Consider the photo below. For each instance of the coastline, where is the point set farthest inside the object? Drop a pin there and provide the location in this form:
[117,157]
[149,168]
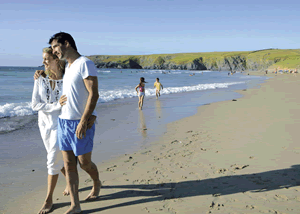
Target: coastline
[212,161]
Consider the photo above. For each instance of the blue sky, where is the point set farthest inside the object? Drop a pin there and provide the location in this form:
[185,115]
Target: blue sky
[117,27]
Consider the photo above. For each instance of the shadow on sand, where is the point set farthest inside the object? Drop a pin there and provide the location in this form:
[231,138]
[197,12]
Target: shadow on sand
[225,185]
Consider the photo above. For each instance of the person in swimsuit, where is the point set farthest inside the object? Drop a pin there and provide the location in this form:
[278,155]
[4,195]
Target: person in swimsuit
[141,92]
[158,86]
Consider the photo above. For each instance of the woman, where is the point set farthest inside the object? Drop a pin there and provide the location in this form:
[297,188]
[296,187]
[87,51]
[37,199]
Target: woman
[46,100]
[141,92]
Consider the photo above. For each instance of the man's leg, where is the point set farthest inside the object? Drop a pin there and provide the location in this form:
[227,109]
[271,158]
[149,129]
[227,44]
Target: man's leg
[87,165]
[72,181]
[52,180]
[66,191]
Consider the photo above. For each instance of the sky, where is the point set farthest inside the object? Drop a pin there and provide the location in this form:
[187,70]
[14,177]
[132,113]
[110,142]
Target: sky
[141,27]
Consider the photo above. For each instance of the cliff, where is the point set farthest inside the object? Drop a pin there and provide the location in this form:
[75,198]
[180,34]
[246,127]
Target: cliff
[229,61]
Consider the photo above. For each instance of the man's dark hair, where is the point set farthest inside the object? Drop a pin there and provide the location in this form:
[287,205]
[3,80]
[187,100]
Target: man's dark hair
[61,37]
[157,78]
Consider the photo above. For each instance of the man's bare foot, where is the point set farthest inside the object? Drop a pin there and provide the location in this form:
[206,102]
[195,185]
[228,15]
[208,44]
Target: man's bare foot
[66,191]
[46,208]
[95,191]
[73,210]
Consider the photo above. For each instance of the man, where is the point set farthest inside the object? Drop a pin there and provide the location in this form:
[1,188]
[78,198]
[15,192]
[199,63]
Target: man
[75,138]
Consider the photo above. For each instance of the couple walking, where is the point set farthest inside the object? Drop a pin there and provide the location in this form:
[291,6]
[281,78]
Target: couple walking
[65,101]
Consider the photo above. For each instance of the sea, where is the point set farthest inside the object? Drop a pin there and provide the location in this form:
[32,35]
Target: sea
[121,127]
[16,84]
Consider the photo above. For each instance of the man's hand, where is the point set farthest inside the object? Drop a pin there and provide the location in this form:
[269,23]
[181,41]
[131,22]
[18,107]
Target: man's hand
[62,100]
[82,127]
[38,73]
[91,121]
[81,130]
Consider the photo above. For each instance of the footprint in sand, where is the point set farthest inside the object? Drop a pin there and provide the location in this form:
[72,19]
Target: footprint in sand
[251,207]
[297,198]
[146,153]
[110,169]
[238,167]
[88,180]
[174,141]
[281,197]
[222,170]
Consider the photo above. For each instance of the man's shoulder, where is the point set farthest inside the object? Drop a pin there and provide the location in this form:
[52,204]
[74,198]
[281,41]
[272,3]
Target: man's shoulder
[84,59]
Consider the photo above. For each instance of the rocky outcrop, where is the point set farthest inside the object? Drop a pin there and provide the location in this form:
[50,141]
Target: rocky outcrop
[120,65]
[160,64]
[168,62]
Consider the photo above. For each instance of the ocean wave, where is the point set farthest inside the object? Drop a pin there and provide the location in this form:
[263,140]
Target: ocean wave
[23,109]
[100,71]
[106,96]
[16,109]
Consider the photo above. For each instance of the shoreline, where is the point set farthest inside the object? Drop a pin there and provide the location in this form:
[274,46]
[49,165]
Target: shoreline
[160,177]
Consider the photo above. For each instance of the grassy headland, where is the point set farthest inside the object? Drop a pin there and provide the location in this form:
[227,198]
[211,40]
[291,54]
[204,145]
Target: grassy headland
[236,61]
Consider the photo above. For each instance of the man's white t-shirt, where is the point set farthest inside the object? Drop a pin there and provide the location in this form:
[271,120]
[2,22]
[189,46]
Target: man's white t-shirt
[74,88]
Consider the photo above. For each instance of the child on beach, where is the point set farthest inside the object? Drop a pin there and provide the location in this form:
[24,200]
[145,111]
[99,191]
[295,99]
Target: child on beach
[141,92]
[158,86]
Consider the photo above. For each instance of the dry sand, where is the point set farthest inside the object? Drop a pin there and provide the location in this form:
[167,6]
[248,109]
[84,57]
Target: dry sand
[231,157]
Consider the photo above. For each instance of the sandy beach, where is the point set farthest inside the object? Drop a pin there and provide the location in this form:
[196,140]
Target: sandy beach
[237,156]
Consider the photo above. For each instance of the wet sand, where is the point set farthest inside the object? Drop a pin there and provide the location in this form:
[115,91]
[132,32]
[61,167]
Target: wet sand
[230,157]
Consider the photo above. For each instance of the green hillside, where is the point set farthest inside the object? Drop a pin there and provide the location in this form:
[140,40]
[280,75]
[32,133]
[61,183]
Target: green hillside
[240,60]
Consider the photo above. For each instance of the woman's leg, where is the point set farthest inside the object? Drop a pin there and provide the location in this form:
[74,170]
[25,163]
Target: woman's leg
[47,206]
[142,101]
[53,164]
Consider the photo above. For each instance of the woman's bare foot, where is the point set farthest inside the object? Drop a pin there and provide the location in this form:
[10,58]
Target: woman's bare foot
[66,191]
[73,210]
[95,191]
[46,208]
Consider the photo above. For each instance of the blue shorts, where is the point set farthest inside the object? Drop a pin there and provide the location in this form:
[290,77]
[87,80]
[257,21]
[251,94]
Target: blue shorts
[68,141]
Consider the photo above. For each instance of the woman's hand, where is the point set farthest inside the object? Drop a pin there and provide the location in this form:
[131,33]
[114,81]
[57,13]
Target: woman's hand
[62,101]
[38,73]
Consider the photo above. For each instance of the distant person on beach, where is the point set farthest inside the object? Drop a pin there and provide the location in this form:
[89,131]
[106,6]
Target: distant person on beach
[141,92]
[75,136]
[159,87]
[45,99]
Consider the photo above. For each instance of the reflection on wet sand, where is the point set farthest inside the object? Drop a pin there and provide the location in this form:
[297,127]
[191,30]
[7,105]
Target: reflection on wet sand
[158,109]
[142,124]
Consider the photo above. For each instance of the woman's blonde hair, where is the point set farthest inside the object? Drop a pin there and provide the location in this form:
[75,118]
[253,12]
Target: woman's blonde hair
[61,63]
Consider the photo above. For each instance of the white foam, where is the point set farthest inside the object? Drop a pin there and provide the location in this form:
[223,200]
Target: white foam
[23,109]
[106,96]
[100,71]
[16,109]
